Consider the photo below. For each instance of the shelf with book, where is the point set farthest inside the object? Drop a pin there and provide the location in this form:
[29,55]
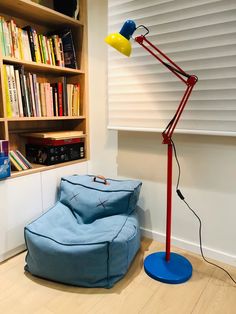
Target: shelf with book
[16,119]
[47,94]
[40,14]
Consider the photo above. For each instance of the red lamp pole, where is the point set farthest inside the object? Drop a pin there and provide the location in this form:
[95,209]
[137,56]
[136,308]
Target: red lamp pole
[189,81]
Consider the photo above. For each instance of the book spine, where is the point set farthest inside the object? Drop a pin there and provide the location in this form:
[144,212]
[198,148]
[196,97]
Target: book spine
[14,92]
[7,91]
[24,160]
[43,99]
[14,164]
[23,88]
[27,94]
[65,104]
[2,41]
[10,39]
[34,82]
[18,162]
[31,93]
[52,52]
[6,37]
[36,46]
[17,76]
[48,99]
[39,100]
[20,40]
[10,88]
[60,98]
[31,41]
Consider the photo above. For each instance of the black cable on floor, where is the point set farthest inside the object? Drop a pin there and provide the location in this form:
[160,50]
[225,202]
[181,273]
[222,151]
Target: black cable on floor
[179,193]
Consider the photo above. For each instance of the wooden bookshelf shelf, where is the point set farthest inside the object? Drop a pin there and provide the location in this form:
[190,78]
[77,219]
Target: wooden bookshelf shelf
[41,67]
[46,89]
[44,118]
[39,168]
[37,13]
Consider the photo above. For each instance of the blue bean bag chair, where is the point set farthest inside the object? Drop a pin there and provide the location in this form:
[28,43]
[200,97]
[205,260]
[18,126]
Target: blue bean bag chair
[90,237]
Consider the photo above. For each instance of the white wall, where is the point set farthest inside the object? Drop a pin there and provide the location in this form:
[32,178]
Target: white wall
[208,165]
[103,143]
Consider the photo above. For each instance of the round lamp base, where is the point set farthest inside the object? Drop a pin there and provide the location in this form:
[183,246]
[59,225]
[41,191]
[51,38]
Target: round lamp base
[177,270]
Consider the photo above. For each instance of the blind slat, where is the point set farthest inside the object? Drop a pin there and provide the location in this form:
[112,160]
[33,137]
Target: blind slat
[200,36]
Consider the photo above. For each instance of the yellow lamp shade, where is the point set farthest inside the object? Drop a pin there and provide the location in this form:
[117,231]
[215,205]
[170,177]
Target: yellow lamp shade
[120,43]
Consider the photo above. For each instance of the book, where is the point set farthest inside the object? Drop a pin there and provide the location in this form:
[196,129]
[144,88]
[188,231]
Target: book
[7,92]
[54,142]
[14,162]
[42,99]
[18,160]
[55,135]
[29,31]
[4,147]
[60,98]
[68,48]
[26,91]
[64,95]
[18,86]
[23,159]
[2,41]
[15,106]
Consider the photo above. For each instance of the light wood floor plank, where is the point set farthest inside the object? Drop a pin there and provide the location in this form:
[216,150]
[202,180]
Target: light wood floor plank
[208,291]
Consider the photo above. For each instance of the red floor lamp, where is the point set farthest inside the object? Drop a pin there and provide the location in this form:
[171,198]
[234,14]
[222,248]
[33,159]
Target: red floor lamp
[165,266]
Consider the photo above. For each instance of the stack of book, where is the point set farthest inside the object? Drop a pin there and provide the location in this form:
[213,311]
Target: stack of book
[26,97]
[18,161]
[50,148]
[26,44]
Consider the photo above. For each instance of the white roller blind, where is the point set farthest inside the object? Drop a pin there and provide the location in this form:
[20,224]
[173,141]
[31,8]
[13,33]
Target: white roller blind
[200,36]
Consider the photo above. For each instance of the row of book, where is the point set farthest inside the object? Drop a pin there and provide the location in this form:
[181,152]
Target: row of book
[25,96]
[18,161]
[26,44]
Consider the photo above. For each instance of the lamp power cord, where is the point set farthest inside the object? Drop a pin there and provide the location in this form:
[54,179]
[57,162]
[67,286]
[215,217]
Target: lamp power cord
[180,195]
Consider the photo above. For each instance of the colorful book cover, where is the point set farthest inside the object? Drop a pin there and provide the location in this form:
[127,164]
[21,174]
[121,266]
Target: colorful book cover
[29,30]
[60,98]
[68,48]
[14,163]
[18,87]
[23,159]
[18,160]
[15,107]
[43,99]
[7,92]
[2,41]
[4,147]
[6,38]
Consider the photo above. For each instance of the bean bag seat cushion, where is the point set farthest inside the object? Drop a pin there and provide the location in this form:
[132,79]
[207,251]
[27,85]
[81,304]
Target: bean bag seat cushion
[91,235]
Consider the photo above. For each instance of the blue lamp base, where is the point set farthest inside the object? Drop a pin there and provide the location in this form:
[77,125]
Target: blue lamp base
[177,270]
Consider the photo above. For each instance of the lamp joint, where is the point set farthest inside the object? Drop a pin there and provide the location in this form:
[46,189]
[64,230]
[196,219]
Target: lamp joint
[192,80]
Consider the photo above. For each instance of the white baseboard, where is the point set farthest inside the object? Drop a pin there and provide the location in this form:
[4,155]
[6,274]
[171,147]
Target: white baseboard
[13,252]
[191,246]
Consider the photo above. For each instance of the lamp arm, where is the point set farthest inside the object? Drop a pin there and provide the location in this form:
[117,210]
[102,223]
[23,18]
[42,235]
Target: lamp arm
[187,79]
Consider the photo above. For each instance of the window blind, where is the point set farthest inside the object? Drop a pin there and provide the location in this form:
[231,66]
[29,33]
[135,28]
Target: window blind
[198,35]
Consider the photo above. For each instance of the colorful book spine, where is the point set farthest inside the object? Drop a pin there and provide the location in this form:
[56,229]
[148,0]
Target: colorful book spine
[7,92]
[16,162]
[23,159]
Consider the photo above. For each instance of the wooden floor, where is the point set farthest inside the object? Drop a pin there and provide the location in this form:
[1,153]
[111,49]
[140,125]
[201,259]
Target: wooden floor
[208,291]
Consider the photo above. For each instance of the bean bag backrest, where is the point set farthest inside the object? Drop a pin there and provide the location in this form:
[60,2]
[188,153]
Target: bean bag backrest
[91,198]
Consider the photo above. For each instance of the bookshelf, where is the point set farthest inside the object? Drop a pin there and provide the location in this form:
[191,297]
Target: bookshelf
[45,21]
